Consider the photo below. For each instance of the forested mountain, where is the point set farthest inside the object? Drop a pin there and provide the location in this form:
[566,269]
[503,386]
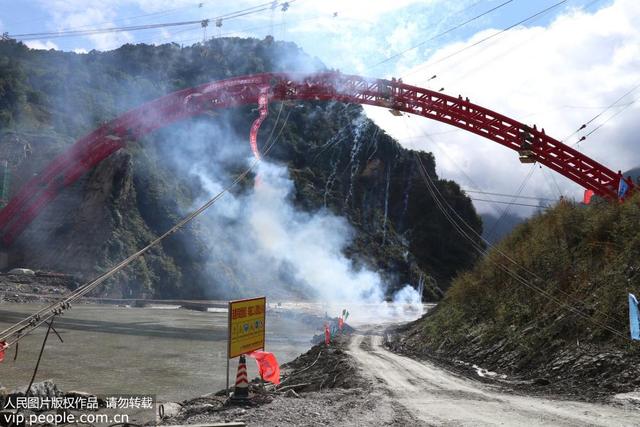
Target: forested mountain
[337,162]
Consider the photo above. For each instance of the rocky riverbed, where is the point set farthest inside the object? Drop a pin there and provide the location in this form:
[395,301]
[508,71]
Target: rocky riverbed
[28,286]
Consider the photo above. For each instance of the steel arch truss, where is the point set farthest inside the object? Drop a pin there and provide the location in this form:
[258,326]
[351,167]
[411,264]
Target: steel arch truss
[531,143]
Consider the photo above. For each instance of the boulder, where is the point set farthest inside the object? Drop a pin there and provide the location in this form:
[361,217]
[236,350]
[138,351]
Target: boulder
[46,388]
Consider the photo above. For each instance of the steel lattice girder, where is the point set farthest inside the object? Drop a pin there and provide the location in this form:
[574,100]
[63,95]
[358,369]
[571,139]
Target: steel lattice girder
[91,149]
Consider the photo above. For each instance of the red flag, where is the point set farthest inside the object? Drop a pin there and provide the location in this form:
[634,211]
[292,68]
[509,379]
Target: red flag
[267,365]
[588,194]
[327,334]
[3,346]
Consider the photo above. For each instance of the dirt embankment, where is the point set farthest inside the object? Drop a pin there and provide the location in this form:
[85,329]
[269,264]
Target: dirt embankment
[38,286]
[321,387]
[581,371]
[547,306]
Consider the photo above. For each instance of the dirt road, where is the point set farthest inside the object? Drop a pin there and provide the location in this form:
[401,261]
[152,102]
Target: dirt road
[438,397]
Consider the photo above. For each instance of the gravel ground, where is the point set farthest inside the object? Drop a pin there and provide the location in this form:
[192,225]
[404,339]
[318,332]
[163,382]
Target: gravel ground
[39,287]
[357,382]
[440,396]
[583,372]
[330,391]
[358,406]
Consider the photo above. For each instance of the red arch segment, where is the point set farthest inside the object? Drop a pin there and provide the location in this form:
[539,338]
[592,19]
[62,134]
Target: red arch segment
[90,150]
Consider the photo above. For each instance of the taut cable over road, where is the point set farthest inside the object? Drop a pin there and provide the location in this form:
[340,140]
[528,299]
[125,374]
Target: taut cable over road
[532,144]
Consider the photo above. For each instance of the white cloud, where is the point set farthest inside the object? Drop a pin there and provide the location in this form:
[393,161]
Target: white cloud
[557,77]
[359,29]
[41,45]
[88,14]
[363,34]
[400,39]
[173,5]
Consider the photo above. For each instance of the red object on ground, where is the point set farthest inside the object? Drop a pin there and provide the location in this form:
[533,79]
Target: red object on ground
[588,194]
[263,99]
[267,365]
[241,390]
[3,346]
[327,334]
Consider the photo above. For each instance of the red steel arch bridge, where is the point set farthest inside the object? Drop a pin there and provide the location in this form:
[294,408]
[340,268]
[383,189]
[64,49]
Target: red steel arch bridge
[532,144]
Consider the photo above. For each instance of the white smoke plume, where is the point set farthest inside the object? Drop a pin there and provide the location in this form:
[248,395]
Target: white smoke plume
[261,243]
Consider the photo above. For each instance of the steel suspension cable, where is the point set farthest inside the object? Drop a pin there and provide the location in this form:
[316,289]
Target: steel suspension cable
[605,122]
[508,203]
[523,21]
[75,33]
[604,110]
[462,24]
[509,195]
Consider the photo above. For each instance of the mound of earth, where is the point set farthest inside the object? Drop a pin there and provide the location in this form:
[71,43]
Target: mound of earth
[322,367]
[320,387]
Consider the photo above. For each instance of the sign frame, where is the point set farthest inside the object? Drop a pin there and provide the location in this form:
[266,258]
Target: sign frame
[263,299]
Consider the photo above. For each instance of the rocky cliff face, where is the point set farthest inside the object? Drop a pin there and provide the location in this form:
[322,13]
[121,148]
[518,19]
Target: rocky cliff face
[339,162]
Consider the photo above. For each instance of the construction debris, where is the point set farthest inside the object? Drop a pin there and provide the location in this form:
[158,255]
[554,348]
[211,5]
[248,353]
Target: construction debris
[321,387]
[333,325]
[320,368]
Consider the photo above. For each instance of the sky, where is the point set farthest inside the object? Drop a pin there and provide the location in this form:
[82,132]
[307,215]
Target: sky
[558,70]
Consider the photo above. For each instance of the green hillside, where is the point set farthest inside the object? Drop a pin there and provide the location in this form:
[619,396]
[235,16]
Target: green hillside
[548,303]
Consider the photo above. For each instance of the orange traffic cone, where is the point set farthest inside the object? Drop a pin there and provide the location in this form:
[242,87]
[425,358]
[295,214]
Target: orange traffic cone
[241,391]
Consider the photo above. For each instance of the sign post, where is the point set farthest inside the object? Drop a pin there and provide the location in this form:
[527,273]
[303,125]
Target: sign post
[246,328]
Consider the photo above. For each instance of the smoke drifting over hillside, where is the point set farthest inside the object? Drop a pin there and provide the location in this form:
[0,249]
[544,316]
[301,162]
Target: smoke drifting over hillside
[337,213]
[257,239]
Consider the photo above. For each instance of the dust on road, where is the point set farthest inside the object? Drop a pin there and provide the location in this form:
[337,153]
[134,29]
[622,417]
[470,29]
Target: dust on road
[438,397]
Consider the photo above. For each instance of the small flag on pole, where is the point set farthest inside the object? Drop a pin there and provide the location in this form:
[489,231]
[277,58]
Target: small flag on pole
[3,346]
[327,334]
[588,194]
[622,188]
[634,317]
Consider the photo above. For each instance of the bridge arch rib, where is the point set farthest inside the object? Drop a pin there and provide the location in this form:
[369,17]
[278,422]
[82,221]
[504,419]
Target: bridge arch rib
[532,143]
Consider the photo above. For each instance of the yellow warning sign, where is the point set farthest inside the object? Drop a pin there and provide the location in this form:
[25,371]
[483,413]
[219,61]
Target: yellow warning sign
[246,326]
